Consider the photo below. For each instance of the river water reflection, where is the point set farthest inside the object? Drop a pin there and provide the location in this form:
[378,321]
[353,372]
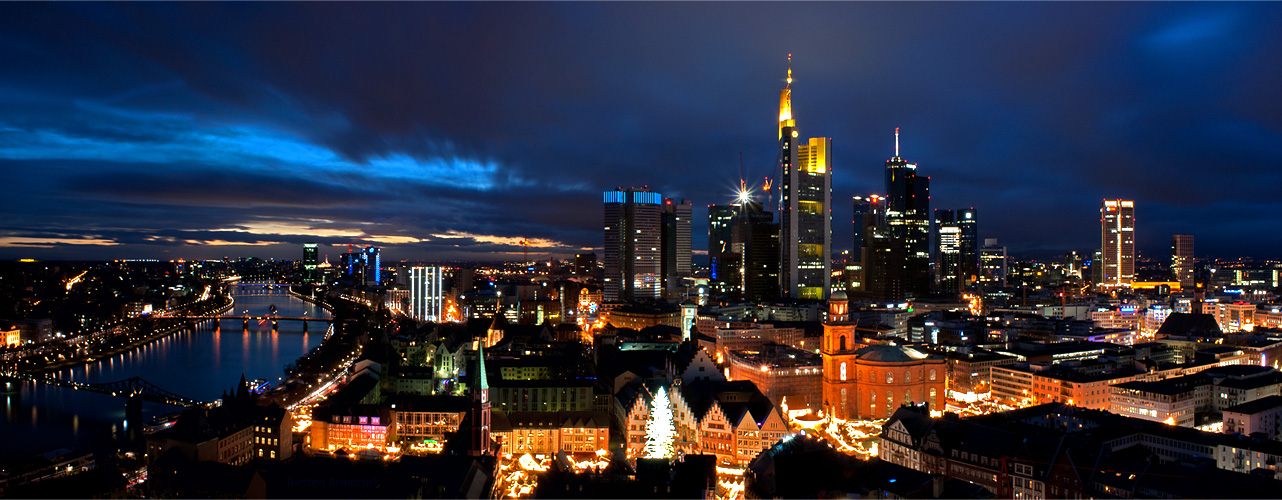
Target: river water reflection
[199,364]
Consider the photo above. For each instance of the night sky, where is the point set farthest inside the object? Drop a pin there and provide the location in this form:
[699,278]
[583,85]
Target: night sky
[451,131]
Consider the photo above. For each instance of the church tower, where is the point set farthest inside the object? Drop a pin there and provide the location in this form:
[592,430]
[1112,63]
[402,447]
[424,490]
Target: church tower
[480,409]
[838,353]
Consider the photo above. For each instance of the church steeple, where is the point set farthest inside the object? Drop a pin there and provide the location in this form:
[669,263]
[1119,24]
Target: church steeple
[479,380]
[480,412]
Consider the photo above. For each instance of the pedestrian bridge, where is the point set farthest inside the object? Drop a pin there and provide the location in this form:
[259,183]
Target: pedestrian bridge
[131,388]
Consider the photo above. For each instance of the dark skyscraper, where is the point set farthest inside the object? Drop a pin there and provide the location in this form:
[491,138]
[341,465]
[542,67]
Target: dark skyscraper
[968,221]
[373,265]
[675,258]
[632,241]
[353,267]
[585,264]
[882,256]
[754,242]
[855,261]
[862,206]
[722,273]
[1182,260]
[908,217]
[805,216]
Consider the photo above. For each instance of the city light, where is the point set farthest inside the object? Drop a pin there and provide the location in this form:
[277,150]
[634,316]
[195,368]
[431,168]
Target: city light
[172,266]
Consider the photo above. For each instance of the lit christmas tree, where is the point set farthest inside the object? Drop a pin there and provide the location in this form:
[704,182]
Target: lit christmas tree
[660,430]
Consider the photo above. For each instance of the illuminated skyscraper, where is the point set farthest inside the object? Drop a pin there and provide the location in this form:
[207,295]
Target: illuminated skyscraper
[310,260]
[675,258]
[1117,243]
[958,250]
[373,266]
[632,240]
[908,216]
[1182,259]
[949,252]
[425,293]
[1073,264]
[992,264]
[805,216]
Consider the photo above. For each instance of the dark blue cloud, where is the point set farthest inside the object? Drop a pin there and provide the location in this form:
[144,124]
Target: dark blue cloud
[445,130]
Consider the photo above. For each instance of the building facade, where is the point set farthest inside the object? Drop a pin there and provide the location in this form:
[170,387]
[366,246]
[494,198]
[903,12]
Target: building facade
[806,216]
[310,261]
[949,253]
[581,432]
[754,243]
[1182,260]
[908,218]
[1117,243]
[425,294]
[866,381]
[992,264]
[723,274]
[633,261]
[675,237]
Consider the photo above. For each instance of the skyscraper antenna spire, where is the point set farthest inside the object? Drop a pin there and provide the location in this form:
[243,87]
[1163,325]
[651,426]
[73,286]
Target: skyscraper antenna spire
[789,70]
[896,142]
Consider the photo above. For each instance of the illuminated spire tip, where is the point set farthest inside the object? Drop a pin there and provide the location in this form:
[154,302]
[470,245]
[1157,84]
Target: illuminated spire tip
[896,142]
[790,70]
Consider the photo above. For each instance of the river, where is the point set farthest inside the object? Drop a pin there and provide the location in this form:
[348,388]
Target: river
[199,364]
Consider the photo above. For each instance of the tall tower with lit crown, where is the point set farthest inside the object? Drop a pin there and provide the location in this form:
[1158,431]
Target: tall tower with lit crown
[805,268]
[908,219]
[1117,243]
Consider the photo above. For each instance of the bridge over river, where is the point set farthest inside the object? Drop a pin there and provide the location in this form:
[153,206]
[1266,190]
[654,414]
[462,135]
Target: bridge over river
[132,388]
[75,406]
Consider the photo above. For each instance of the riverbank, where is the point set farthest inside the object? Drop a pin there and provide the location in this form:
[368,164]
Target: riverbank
[157,333]
[324,363]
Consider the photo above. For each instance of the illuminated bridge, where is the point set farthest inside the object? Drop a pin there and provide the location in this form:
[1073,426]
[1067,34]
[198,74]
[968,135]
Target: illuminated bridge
[260,289]
[134,388]
[245,319]
[262,317]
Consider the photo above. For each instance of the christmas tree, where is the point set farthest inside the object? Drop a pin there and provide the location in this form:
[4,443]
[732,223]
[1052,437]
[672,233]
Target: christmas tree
[660,429]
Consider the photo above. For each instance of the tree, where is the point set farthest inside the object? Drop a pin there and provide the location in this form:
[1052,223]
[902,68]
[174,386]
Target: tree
[660,429]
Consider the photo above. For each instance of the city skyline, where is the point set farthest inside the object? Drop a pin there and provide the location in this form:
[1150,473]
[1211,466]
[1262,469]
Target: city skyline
[457,131]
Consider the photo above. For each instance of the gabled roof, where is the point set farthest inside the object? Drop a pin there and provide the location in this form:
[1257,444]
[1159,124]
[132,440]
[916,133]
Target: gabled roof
[915,422]
[627,396]
[736,398]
